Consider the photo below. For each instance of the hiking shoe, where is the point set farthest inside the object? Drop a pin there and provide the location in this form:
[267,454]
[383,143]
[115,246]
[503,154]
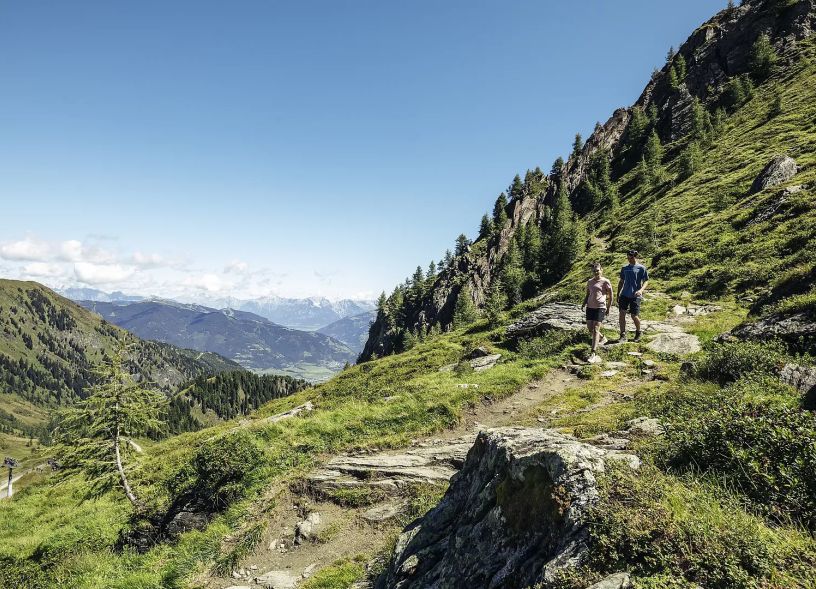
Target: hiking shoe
[622,338]
[603,341]
[637,337]
[594,359]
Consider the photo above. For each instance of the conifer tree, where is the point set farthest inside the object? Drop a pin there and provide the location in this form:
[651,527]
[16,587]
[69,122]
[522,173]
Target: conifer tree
[776,106]
[690,160]
[577,146]
[499,212]
[431,274]
[636,131]
[730,8]
[485,227]
[763,58]
[462,245]
[701,127]
[563,243]
[680,65]
[516,188]
[512,273]
[495,303]
[673,80]
[653,156]
[670,55]
[448,259]
[464,312]
[557,167]
[93,434]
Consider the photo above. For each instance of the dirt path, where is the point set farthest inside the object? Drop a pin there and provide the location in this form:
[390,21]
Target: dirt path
[380,481]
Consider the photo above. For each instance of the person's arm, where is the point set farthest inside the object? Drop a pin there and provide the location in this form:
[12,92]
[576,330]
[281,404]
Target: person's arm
[610,298]
[586,298]
[620,283]
[643,286]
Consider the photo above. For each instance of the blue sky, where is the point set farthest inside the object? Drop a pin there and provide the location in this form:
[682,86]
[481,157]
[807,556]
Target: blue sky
[201,148]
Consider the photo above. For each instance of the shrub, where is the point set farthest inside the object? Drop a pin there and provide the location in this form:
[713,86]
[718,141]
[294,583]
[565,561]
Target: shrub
[660,529]
[216,475]
[764,449]
[731,361]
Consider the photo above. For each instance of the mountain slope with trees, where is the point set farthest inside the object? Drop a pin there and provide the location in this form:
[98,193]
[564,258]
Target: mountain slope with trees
[249,340]
[732,97]
[724,496]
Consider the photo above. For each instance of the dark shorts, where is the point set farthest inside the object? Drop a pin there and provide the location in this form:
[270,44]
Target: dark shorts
[595,314]
[632,305]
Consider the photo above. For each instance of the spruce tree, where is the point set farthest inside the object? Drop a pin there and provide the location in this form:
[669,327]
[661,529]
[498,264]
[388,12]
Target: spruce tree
[512,273]
[701,127]
[495,303]
[499,212]
[690,160]
[561,248]
[516,188]
[448,259]
[464,312]
[653,155]
[673,79]
[462,245]
[557,167]
[577,146]
[431,274]
[763,58]
[680,65]
[92,435]
[485,227]
[636,131]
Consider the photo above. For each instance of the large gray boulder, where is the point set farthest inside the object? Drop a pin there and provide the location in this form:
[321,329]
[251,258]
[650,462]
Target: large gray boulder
[778,171]
[512,517]
[803,379]
[798,330]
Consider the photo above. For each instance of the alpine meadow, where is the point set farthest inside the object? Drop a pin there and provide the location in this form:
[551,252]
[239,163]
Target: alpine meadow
[469,429]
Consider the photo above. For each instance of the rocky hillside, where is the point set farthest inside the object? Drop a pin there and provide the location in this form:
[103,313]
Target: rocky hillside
[672,175]
[49,346]
[249,340]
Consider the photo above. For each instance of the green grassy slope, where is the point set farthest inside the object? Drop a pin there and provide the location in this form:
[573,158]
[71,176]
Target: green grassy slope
[705,234]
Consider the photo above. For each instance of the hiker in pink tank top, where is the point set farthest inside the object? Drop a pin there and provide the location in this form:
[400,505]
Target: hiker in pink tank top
[597,302]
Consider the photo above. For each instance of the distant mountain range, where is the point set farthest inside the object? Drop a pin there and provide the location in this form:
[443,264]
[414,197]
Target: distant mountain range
[352,331]
[308,314]
[49,347]
[252,341]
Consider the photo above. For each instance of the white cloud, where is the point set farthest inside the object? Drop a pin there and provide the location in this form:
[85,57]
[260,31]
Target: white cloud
[101,273]
[149,260]
[71,250]
[28,249]
[236,267]
[209,282]
[43,270]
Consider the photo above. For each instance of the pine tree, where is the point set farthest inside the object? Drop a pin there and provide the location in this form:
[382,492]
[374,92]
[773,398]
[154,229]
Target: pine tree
[636,131]
[563,241]
[485,227]
[462,245]
[653,156]
[499,210]
[516,188]
[670,55]
[448,259]
[763,58]
[673,80]
[495,303]
[680,65]
[730,8]
[577,146]
[690,160]
[464,312]
[431,274]
[557,167]
[701,127]
[512,273]
[92,433]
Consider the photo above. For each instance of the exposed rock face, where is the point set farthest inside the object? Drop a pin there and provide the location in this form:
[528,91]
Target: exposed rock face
[567,316]
[395,471]
[718,50]
[512,517]
[277,580]
[803,379]
[679,344]
[798,329]
[616,581]
[778,171]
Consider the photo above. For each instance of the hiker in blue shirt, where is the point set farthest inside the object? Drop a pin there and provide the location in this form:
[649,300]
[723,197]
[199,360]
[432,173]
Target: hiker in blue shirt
[633,280]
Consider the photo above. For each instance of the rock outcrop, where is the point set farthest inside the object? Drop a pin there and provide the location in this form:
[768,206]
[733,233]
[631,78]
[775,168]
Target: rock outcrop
[803,379]
[778,171]
[392,472]
[512,517]
[798,330]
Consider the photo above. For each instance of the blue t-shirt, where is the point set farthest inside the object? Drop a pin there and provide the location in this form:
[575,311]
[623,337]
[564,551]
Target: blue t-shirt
[633,277]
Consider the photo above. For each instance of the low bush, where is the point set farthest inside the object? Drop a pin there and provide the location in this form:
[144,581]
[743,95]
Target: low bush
[734,360]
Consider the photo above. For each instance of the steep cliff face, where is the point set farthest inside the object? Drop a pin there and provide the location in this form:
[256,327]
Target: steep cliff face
[718,51]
